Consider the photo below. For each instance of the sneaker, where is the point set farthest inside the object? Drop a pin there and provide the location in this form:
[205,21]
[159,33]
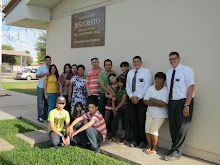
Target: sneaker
[97,150]
[40,119]
[62,145]
[134,144]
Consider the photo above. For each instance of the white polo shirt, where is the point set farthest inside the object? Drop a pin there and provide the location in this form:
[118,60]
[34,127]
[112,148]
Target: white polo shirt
[184,78]
[143,82]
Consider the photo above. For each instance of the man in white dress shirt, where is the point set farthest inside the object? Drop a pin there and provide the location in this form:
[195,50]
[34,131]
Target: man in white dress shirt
[139,80]
[180,83]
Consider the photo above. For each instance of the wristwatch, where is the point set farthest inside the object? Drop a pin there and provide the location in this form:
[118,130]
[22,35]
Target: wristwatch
[186,105]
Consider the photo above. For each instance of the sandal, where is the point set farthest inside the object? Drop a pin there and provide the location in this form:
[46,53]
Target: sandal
[147,151]
[152,153]
[112,139]
[123,142]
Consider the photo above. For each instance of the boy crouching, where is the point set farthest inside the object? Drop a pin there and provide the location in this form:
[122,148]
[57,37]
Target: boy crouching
[94,130]
[56,120]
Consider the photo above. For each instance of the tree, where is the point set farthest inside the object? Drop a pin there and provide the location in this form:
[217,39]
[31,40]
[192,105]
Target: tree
[41,47]
[7,47]
[29,59]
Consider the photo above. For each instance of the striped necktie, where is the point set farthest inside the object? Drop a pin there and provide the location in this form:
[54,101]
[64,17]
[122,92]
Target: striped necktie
[134,82]
[171,85]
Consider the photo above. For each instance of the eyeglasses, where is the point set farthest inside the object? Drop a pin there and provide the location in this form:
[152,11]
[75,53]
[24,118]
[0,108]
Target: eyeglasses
[61,103]
[172,59]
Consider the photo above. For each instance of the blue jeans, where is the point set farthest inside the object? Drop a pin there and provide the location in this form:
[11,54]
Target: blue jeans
[93,135]
[102,103]
[52,98]
[122,112]
[42,105]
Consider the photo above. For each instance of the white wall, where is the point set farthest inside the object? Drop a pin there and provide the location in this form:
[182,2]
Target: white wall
[152,29]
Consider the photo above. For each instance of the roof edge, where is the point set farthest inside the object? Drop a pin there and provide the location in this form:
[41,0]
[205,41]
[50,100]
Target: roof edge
[10,6]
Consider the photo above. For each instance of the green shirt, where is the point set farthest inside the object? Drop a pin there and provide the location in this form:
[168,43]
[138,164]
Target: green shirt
[119,94]
[103,77]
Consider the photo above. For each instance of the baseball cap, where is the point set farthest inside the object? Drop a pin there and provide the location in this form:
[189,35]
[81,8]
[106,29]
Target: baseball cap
[61,99]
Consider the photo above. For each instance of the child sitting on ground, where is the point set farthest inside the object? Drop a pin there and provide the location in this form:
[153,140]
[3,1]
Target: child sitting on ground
[56,120]
[94,130]
[79,111]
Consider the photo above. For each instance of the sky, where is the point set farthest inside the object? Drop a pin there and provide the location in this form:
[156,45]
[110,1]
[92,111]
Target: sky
[21,39]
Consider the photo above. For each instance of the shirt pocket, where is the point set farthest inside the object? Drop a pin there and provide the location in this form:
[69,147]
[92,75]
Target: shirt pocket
[141,82]
[178,81]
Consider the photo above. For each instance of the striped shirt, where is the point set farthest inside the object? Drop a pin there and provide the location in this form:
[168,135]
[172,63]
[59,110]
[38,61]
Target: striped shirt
[99,122]
[92,81]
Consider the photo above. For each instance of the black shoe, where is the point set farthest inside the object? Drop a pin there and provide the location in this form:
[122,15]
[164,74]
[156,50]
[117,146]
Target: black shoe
[62,145]
[134,144]
[167,153]
[97,150]
[142,145]
[170,157]
[40,119]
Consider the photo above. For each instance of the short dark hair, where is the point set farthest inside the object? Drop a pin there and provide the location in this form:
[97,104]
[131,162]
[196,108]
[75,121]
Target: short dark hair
[74,65]
[137,57]
[174,53]
[65,67]
[47,57]
[107,60]
[124,64]
[122,80]
[95,58]
[160,75]
[94,101]
[81,66]
[111,74]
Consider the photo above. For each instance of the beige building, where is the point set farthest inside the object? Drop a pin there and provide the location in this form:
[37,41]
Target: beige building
[150,29]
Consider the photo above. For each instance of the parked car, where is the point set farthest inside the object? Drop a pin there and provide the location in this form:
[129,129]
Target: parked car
[27,74]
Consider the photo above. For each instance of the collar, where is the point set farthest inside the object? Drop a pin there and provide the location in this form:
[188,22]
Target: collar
[98,70]
[178,67]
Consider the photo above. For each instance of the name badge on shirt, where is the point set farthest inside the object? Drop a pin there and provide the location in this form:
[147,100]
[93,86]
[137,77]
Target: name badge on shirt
[141,80]
[177,79]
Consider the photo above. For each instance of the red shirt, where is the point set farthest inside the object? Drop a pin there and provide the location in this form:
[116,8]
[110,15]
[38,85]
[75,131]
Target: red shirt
[99,122]
[92,81]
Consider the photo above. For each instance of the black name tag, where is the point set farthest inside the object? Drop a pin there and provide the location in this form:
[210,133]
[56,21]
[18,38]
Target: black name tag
[141,80]
[177,80]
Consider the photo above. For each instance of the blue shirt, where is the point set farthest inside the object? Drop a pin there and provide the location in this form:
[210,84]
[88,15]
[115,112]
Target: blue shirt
[41,70]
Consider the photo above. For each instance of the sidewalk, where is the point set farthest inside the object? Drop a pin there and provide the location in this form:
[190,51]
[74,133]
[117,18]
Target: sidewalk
[25,106]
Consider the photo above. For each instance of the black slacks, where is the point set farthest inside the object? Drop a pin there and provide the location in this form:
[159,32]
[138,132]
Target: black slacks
[179,124]
[138,117]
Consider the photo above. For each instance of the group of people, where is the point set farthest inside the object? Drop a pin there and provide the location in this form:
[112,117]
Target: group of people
[92,105]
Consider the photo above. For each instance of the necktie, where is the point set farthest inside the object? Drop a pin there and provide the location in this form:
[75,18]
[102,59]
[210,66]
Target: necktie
[134,82]
[171,85]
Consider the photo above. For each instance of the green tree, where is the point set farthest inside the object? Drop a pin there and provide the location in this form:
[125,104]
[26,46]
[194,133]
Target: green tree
[41,47]
[29,59]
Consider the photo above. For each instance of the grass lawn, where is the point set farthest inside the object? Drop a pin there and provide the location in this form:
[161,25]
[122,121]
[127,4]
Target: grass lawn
[27,87]
[24,154]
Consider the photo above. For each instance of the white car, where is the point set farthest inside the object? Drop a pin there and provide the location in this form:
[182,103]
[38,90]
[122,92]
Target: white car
[27,74]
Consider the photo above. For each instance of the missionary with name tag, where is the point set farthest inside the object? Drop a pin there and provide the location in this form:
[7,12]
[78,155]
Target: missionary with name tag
[138,81]
[180,83]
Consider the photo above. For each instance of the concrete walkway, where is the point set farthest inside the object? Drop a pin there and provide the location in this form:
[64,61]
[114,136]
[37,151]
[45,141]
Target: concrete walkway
[19,105]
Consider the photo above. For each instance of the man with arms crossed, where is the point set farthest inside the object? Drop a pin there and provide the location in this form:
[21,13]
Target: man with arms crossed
[92,85]
[139,80]
[42,105]
[180,83]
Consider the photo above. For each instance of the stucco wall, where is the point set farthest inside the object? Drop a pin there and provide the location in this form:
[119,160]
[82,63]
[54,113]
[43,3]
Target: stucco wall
[152,29]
